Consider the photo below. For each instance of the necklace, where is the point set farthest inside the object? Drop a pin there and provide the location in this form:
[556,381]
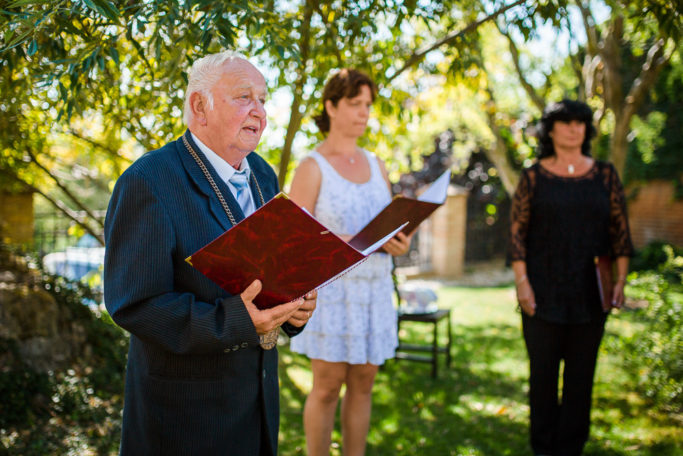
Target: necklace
[268,340]
[571,167]
[351,159]
[215,188]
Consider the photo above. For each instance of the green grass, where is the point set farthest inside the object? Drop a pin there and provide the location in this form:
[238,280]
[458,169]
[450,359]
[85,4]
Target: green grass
[479,405]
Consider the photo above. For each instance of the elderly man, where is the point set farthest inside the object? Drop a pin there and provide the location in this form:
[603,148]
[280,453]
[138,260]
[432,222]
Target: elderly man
[202,370]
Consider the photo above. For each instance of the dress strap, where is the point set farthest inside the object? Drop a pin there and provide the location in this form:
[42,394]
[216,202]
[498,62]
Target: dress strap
[372,161]
[323,164]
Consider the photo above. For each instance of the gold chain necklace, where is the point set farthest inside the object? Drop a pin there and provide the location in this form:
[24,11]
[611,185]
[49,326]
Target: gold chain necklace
[212,182]
[268,340]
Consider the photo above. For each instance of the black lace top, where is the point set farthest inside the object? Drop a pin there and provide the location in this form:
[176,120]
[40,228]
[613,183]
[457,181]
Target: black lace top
[558,226]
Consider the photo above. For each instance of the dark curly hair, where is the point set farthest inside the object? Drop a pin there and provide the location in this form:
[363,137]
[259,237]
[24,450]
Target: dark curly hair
[565,111]
[344,83]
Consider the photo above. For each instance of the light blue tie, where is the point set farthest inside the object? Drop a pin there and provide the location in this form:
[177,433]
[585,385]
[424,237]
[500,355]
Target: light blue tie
[243,194]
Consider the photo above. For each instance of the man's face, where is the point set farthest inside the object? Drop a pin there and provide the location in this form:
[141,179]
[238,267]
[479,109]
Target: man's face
[238,117]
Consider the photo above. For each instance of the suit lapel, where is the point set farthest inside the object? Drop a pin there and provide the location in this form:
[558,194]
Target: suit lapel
[252,185]
[199,179]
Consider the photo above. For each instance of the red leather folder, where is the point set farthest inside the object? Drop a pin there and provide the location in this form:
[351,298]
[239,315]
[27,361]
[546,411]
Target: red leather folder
[605,272]
[400,210]
[284,247]
[403,210]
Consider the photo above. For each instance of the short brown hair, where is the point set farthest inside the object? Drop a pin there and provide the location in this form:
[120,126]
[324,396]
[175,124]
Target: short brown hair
[344,83]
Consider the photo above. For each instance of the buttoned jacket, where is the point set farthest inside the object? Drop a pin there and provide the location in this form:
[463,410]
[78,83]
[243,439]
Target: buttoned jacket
[197,381]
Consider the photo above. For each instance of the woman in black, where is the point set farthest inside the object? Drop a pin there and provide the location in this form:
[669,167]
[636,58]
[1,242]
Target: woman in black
[567,210]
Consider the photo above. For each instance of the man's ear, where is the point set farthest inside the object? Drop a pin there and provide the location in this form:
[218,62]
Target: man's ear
[198,108]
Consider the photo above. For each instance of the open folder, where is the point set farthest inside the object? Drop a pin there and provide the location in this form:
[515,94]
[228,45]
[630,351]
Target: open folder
[402,210]
[284,247]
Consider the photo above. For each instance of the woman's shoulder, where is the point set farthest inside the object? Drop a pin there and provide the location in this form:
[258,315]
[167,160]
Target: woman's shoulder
[530,171]
[376,163]
[604,165]
[309,165]
[369,153]
[605,169]
[372,157]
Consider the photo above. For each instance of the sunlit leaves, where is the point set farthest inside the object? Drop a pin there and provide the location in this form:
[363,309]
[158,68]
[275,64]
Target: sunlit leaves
[107,77]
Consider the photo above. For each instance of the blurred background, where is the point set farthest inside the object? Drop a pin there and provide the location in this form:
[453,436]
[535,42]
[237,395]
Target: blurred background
[89,86]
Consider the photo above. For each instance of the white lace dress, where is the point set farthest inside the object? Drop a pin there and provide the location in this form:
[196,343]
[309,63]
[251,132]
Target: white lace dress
[355,319]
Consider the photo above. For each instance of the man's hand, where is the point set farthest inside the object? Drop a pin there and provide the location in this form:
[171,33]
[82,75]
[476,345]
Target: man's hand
[301,316]
[398,245]
[268,319]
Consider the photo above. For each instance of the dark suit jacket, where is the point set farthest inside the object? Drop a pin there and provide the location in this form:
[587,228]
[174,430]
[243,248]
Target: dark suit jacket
[197,382]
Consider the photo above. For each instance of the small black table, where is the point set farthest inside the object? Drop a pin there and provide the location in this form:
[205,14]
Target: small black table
[434,318]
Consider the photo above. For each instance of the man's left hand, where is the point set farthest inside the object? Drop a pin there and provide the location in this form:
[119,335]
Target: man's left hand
[303,314]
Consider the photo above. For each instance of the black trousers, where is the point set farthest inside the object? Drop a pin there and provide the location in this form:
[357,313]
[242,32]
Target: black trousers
[560,427]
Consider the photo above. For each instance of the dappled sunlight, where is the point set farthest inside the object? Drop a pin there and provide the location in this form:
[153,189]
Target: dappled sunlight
[479,405]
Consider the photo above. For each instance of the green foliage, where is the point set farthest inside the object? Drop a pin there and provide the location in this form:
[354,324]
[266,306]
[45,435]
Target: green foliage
[668,14]
[24,392]
[658,256]
[75,407]
[656,349]
[109,343]
[110,76]
[56,413]
[478,406]
[656,360]
[655,152]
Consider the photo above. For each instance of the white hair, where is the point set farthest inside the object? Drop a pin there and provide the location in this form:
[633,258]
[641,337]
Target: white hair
[203,75]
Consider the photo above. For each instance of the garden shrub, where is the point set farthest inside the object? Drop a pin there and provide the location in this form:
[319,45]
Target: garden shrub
[656,255]
[24,392]
[656,350]
[77,406]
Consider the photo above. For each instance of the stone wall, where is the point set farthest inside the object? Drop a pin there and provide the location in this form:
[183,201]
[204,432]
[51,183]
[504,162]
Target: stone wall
[448,224]
[655,215]
[46,335]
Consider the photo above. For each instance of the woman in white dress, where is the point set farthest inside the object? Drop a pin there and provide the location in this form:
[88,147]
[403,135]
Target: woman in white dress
[353,330]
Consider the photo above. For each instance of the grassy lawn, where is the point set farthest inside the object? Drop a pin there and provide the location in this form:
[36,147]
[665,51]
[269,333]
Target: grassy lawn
[479,406]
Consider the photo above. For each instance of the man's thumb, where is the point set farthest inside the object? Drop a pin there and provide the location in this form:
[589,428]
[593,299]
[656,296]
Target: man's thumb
[251,291]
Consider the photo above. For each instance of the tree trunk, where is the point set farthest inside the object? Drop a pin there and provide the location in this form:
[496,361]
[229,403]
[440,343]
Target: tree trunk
[619,142]
[499,157]
[295,115]
[57,204]
[508,176]
[293,127]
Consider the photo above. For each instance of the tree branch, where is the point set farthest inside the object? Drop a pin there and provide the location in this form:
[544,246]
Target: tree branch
[610,51]
[295,115]
[499,153]
[417,57]
[333,33]
[576,65]
[591,74]
[58,205]
[99,145]
[66,191]
[656,59]
[592,33]
[530,90]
